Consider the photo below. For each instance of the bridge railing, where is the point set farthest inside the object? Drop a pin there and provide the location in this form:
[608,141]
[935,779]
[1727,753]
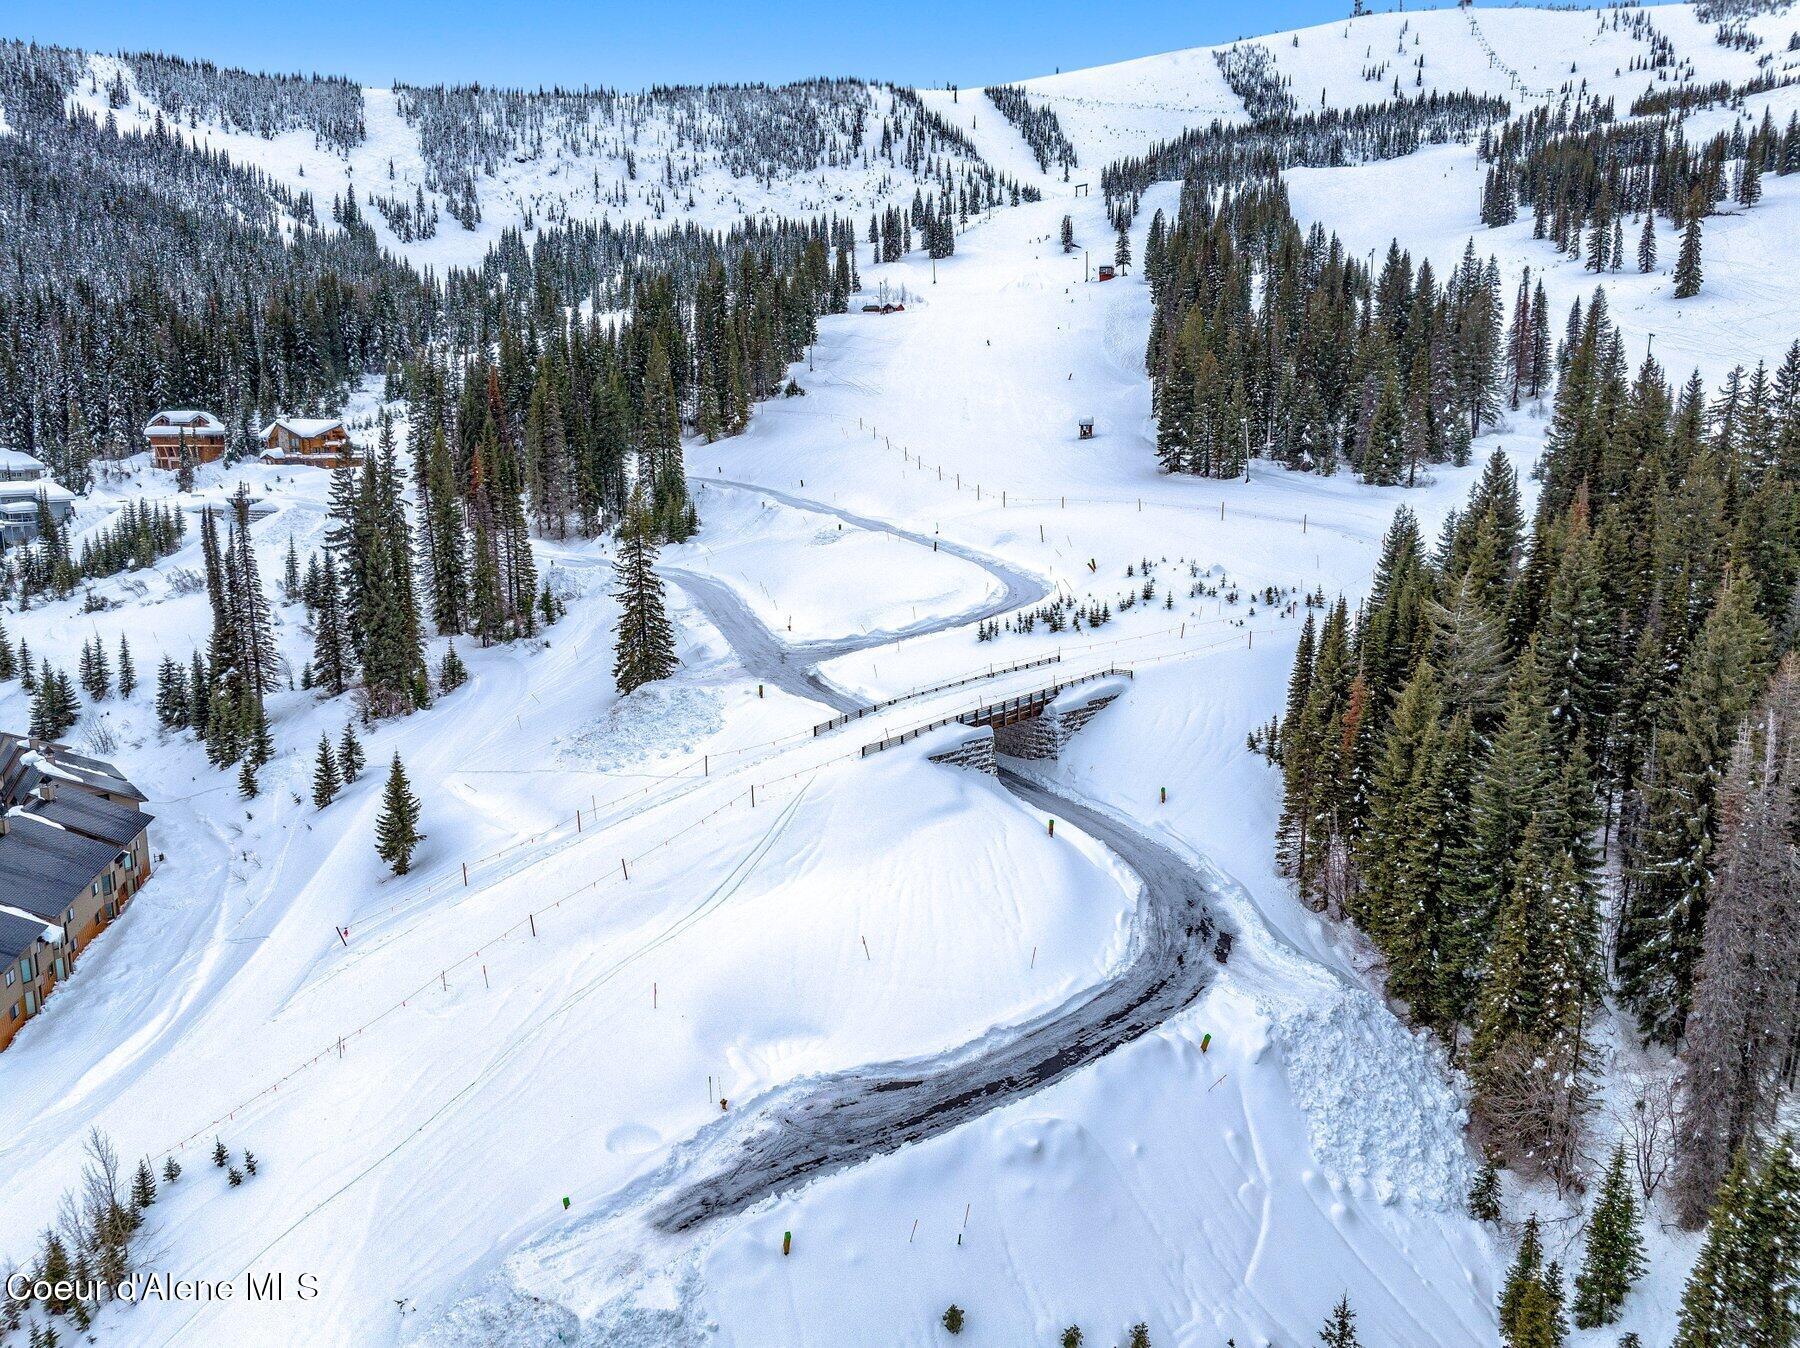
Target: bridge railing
[884,704]
[990,710]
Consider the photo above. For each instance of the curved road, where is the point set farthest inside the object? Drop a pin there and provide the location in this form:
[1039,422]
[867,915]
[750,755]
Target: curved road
[793,667]
[830,1122]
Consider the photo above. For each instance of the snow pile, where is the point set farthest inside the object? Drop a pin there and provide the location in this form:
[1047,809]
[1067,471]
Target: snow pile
[654,722]
[1380,1113]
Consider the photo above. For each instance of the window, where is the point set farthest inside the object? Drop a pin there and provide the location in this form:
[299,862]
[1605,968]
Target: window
[15,1010]
[10,976]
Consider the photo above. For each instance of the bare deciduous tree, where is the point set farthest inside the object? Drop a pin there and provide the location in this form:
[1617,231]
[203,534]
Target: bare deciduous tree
[1532,1113]
[1747,990]
[1648,1126]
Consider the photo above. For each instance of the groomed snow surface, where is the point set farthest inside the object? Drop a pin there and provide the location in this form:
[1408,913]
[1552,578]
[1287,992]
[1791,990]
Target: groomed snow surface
[555,1025]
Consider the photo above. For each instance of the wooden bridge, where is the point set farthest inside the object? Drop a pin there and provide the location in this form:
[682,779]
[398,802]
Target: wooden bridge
[1005,713]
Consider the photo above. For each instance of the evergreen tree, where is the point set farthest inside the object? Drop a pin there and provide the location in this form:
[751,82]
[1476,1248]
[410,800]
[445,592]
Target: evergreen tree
[350,754]
[1484,1193]
[646,644]
[127,670]
[54,708]
[1687,265]
[1340,1326]
[171,694]
[445,538]
[1527,1269]
[1673,858]
[1615,1250]
[1736,1052]
[1646,254]
[326,781]
[143,1187]
[452,673]
[330,662]
[1745,1286]
[397,829]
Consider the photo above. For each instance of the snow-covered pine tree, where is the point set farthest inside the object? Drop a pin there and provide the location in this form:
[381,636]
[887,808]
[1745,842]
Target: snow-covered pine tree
[452,672]
[326,781]
[1672,860]
[397,828]
[1340,1326]
[143,1186]
[1688,272]
[1745,1285]
[1615,1249]
[646,644]
[1484,1193]
[1746,1010]
[350,753]
[330,662]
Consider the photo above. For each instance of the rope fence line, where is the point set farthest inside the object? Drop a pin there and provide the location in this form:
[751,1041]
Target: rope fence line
[754,797]
[605,884]
[528,924]
[1010,497]
[458,874]
[825,726]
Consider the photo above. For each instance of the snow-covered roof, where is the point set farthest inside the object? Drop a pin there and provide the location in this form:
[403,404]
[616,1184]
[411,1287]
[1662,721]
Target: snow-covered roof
[17,460]
[303,427]
[183,419]
[13,493]
[43,866]
[26,766]
[20,930]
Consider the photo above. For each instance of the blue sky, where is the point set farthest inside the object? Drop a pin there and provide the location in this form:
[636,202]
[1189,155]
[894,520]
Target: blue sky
[628,45]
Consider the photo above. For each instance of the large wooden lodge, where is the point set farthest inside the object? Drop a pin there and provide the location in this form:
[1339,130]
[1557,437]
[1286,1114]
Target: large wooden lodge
[175,432]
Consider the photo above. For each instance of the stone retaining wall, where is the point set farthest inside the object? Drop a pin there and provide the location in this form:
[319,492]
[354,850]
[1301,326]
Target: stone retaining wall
[1045,736]
[974,749]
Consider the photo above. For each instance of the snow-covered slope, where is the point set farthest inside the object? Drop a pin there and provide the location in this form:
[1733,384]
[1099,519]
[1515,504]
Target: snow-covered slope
[711,156]
[637,935]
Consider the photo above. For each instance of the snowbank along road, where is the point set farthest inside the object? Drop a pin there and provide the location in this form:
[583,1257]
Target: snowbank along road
[794,667]
[848,1117]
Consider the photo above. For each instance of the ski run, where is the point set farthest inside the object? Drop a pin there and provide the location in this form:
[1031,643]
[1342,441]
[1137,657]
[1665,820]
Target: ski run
[717,508]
